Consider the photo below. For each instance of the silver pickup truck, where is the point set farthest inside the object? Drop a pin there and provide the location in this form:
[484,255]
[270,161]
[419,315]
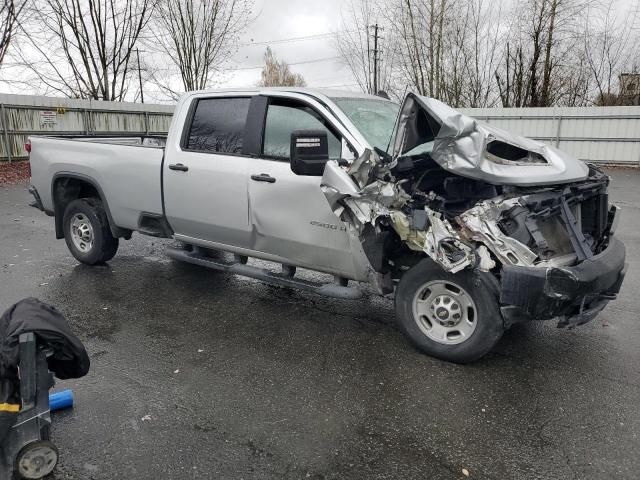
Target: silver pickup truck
[473,228]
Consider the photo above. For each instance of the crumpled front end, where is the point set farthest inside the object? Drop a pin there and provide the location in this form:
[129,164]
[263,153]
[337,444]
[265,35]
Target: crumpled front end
[474,149]
[549,245]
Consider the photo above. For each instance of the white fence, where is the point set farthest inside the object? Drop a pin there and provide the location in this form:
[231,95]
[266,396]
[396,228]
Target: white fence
[596,134]
[22,115]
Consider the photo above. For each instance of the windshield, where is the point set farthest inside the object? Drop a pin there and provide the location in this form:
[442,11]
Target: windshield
[375,119]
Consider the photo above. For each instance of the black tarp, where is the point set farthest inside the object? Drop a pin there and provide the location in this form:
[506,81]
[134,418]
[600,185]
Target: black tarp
[68,357]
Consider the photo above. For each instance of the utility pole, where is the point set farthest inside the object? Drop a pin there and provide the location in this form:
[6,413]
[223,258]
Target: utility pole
[140,76]
[376,57]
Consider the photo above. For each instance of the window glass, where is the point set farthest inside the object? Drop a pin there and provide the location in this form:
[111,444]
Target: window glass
[218,125]
[282,120]
[374,118]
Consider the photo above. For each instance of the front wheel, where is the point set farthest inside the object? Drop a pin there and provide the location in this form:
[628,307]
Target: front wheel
[87,232]
[454,317]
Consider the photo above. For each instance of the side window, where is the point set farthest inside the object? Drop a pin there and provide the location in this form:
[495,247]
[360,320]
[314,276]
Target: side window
[283,117]
[218,125]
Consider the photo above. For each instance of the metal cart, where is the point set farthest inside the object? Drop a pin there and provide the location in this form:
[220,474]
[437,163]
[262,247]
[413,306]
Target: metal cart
[27,452]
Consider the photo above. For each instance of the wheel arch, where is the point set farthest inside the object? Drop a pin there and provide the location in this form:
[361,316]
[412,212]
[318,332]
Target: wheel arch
[68,186]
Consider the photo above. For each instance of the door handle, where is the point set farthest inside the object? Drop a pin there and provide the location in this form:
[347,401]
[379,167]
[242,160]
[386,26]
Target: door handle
[179,167]
[263,177]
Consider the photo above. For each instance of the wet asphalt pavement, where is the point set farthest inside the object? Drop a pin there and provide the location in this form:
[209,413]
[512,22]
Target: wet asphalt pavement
[198,374]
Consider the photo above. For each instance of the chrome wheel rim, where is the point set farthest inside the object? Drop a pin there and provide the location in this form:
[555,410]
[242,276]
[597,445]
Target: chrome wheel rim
[38,462]
[82,232]
[444,312]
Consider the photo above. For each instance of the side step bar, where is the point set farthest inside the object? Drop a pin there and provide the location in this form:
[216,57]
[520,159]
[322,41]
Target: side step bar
[284,279]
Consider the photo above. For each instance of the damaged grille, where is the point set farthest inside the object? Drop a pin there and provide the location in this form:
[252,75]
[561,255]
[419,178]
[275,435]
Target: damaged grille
[546,226]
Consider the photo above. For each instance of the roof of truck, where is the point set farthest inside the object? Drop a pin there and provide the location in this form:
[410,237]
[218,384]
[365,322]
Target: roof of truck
[305,90]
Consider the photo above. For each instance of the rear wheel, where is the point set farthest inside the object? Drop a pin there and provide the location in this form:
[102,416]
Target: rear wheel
[455,317]
[87,232]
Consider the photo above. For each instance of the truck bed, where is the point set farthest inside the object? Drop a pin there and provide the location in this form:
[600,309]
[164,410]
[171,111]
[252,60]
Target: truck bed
[127,171]
[146,141]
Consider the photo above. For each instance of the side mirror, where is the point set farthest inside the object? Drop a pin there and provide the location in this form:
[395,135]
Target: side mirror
[309,152]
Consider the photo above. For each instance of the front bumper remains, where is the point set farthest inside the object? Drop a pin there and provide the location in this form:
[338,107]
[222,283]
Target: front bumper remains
[574,295]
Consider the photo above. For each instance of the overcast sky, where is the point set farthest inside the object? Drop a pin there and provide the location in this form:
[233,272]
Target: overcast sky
[285,19]
[272,21]
[279,23]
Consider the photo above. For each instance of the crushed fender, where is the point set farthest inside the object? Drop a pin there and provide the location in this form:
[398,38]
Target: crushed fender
[382,201]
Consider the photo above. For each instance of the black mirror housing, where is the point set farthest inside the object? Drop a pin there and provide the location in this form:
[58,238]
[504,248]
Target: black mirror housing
[309,152]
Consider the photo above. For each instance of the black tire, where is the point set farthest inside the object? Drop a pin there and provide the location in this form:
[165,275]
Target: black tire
[104,246]
[484,312]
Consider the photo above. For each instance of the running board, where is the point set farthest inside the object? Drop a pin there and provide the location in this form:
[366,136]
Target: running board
[284,279]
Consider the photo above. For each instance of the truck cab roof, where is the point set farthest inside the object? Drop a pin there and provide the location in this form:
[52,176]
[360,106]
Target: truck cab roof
[316,92]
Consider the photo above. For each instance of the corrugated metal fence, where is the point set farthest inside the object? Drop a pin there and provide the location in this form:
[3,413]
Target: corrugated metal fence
[595,134]
[598,134]
[22,115]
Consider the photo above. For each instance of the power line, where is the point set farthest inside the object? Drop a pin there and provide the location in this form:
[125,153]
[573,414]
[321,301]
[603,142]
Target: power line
[292,63]
[334,86]
[331,78]
[317,36]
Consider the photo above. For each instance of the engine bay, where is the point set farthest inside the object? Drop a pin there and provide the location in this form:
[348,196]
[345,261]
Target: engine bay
[412,204]
[549,225]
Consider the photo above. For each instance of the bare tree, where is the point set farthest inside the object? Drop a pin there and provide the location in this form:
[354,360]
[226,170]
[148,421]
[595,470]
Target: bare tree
[575,83]
[468,53]
[471,54]
[607,45]
[84,48]
[197,36]
[356,46]
[278,74]
[447,49]
[420,27]
[10,13]
[465,52]
[543,51]
[511,81]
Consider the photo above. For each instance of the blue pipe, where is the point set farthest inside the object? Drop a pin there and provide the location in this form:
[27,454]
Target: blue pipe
[60,400]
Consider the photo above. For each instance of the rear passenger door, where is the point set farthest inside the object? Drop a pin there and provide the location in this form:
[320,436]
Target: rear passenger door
[290,215]
[205,179]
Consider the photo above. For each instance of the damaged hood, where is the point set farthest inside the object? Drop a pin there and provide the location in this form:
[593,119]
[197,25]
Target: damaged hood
[474,149]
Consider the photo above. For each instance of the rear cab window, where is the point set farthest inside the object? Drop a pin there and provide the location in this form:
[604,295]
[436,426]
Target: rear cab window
[217,125]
